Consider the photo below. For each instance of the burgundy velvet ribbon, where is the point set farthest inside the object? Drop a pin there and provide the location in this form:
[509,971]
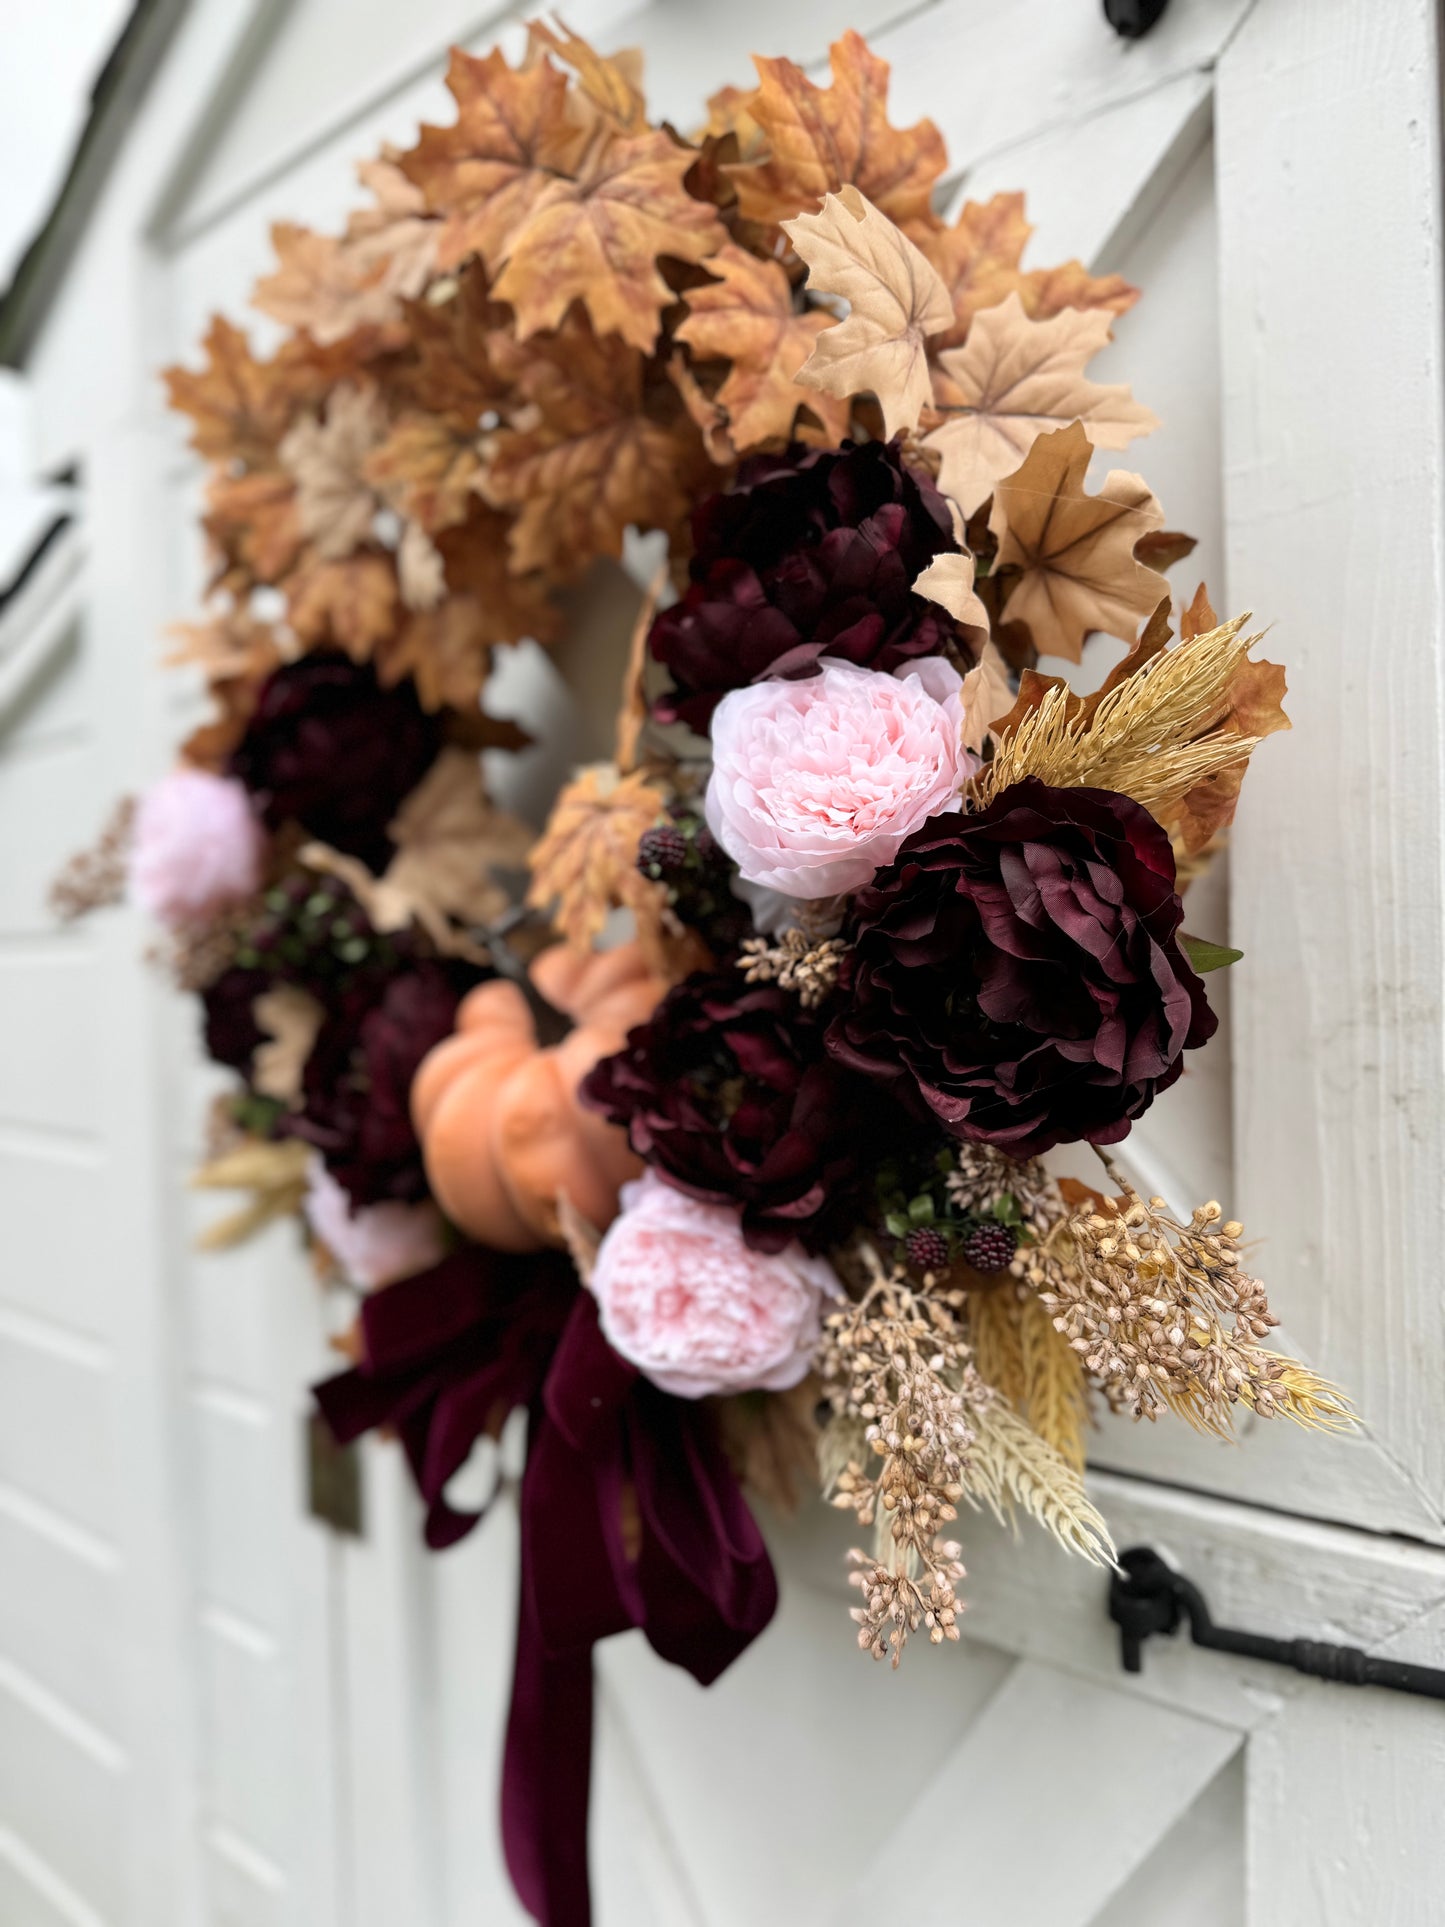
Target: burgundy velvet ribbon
[630,1516]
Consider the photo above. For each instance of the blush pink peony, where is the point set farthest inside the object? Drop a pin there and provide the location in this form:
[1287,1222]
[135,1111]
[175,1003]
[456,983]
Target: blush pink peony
[374,1244]
[693,1308]
[816,784]
[197,846]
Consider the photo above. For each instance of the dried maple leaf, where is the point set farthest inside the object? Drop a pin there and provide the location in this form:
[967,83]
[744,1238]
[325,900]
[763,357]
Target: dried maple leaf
[978,259]
[421,573]
[747,316]
[253,527]
[611,83]
[730,113]
[986,696]
[1015,379]
[1255,708]
[321,286]
[594,461]
[452,374]
[448,838]
[596,240]
[328,458]
[239,407]
[427,469]
[352,602]
[948,581]
[823,139]
[396,237]
[291,1018]
[585,863]
[1075,551]
[513,139]
[237,655]
[895,302]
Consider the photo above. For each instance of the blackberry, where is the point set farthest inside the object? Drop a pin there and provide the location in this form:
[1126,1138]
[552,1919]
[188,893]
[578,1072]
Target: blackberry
[311,929]
[662,853]
[927,1248]
[990,1246]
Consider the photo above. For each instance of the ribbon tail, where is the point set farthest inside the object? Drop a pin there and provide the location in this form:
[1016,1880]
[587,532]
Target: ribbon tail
[547,1769]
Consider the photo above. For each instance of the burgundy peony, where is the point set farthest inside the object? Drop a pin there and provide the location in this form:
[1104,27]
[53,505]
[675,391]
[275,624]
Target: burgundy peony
[809,553]
[356,1089]
[330,749]
[728,1094]
[1020,970]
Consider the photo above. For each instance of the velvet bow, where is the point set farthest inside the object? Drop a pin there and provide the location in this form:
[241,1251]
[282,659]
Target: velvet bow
[630,1516]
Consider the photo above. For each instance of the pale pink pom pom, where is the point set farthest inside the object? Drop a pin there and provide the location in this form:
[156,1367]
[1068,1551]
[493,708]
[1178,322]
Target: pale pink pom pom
[197,846]
[816,784]
[378,1243]
[694,1308]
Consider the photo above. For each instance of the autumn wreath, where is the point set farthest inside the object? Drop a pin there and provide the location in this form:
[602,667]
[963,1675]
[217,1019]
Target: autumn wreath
[714,1142]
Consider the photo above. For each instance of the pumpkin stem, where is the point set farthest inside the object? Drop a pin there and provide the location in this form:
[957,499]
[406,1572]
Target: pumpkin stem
[551,1024]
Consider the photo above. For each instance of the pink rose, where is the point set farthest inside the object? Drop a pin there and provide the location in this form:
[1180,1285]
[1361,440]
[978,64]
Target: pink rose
[816,784]
[197,846]
[693,1308]
[374,1244]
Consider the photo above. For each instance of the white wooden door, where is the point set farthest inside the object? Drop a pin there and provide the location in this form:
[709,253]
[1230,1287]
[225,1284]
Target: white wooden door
[1268,170]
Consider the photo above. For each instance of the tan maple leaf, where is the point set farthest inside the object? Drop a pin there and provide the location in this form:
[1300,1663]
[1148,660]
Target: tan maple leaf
[895,302]
[328,458]
[291,1018]
[986,695]
[585,863]
[747,316]
[421,574]
[1074,551]
[237,654]
[823,139]
[979,258]
[320,285]
[1015,379]
[351,602]
[610,83]
[730,114]
[513,140]
[448,839]
[596,240]
[948,581]
[396,238]
[595,460]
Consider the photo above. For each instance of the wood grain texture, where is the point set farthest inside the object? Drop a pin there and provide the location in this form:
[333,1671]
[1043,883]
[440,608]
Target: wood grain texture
[1329,152]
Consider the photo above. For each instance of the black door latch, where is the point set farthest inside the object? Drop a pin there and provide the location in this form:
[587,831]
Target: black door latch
[1132,19]
[1148,1596]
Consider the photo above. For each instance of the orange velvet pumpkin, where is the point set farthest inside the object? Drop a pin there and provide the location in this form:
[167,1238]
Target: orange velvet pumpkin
[500,1127]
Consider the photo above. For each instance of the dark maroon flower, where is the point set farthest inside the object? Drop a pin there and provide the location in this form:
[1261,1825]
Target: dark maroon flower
[808,553]
[327,747]
[728,1093]
[356,1089]
[1020,971]
[231,1030]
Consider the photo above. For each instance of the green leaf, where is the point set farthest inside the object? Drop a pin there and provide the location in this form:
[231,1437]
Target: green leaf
[1208,956]
[896,1225]
[920,1210]
[1006,1209]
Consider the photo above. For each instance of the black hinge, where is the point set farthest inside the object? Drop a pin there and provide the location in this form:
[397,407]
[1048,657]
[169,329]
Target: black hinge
[1148,1596]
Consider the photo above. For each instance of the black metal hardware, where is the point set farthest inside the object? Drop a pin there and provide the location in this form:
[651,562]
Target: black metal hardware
[1148,1596]
[1132,19]
[333,1479]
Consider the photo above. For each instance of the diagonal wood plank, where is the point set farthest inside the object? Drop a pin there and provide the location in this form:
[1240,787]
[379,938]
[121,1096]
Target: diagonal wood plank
[1111,1769]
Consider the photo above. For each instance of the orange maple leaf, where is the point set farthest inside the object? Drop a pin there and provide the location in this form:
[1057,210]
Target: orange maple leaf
[748,316]
[595,460]
[822,139]
[352,603]
[596,239]
[513,140]
[253,527]
[239,407]
[979,260]
[322,287]
[585,862]
[427,470]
